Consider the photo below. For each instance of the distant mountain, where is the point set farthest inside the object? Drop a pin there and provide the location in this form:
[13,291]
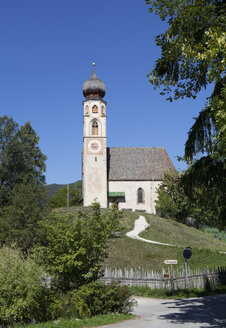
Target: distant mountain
[52,188]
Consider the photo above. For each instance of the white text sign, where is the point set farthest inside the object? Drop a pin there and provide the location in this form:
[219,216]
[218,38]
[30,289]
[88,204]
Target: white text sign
[170,261]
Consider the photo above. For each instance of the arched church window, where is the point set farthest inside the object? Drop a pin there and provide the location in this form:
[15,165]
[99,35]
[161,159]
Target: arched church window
[95,109]
[95,128]
[86,110]
[140,196]
[103,111]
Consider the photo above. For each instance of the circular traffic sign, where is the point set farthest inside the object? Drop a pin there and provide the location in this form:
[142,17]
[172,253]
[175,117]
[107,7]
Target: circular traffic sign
[187,253]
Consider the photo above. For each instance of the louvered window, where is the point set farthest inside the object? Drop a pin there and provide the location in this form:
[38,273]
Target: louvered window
[95,109]
[95,128]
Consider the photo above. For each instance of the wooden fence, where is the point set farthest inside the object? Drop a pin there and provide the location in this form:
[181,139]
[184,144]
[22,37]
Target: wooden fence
[162,280]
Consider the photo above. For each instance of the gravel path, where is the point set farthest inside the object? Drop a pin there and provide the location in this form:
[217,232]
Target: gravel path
[140,225]
[203,312]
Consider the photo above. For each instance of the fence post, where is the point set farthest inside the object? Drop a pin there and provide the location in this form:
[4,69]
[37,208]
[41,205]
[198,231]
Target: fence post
[171,278]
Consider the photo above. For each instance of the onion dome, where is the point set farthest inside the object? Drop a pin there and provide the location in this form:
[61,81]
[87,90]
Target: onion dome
[94,87]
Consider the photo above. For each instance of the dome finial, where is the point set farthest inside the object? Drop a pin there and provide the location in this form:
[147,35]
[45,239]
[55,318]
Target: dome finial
[94,73]
[94,87]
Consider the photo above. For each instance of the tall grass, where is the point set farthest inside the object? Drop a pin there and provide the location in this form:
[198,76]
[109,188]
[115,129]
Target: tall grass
[184,293]
[99,320]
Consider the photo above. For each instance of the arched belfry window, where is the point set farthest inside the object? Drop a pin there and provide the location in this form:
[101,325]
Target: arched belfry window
[140,196]
[95,128]
[95,109]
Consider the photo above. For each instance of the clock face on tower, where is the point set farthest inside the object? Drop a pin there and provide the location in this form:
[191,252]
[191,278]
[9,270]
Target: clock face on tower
[94,146]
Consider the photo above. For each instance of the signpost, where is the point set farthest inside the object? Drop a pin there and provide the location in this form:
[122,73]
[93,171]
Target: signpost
[171,262]
[187,253]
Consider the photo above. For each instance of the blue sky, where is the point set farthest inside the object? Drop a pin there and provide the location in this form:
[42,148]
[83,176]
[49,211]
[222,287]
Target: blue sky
[46,50]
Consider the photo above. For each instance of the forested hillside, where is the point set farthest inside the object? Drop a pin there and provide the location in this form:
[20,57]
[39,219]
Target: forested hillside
[54,187]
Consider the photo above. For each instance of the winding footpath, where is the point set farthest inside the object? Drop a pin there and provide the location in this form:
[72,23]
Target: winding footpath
[140,225]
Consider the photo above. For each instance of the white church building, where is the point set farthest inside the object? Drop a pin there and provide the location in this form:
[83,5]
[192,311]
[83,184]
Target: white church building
[126,176]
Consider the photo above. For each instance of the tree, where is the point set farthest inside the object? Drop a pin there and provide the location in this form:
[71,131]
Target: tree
[204,183]
[73,247]
[193,56]
[22,192]
[60,197]
[20,220]
[174,203]
[20,156]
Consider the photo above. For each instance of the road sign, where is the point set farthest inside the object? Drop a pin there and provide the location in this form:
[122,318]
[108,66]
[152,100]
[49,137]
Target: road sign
[187,253]
[170,261]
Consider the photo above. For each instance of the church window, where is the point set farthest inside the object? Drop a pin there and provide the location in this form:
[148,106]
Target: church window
[86,110]
[95,128]
[140,196]
[95,109]
[103,111]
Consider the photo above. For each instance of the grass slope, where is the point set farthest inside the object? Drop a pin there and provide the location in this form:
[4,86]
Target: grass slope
[178,294]
[128,253]
[214,232]
[99,320]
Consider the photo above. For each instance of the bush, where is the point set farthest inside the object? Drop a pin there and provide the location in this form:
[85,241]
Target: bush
[73,248]
[94,299]
[24,296]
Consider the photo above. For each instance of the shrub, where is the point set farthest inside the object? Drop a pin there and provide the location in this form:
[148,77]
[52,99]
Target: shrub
[24,296]
[73,248]
[94,299]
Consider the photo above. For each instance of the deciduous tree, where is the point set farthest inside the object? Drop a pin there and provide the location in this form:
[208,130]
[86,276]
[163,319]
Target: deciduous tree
[174,203]
[22,192]
[193,56]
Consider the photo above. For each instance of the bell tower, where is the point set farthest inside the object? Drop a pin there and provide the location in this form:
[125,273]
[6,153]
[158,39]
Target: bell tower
[94,156]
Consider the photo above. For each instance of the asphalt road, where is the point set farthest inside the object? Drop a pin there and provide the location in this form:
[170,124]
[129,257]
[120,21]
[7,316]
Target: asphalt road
[209,311]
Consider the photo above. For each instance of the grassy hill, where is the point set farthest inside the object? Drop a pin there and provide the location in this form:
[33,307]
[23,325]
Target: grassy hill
[125,252]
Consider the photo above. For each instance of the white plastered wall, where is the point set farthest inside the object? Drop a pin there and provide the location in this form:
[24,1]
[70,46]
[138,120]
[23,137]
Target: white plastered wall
[130,189]
[94,165]
[94,179]
[90,117]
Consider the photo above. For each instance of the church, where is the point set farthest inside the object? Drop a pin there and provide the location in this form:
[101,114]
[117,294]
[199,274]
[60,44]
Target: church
[125,176]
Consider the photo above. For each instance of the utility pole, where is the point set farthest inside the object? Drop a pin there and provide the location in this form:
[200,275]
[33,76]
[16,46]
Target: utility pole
[68,195]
